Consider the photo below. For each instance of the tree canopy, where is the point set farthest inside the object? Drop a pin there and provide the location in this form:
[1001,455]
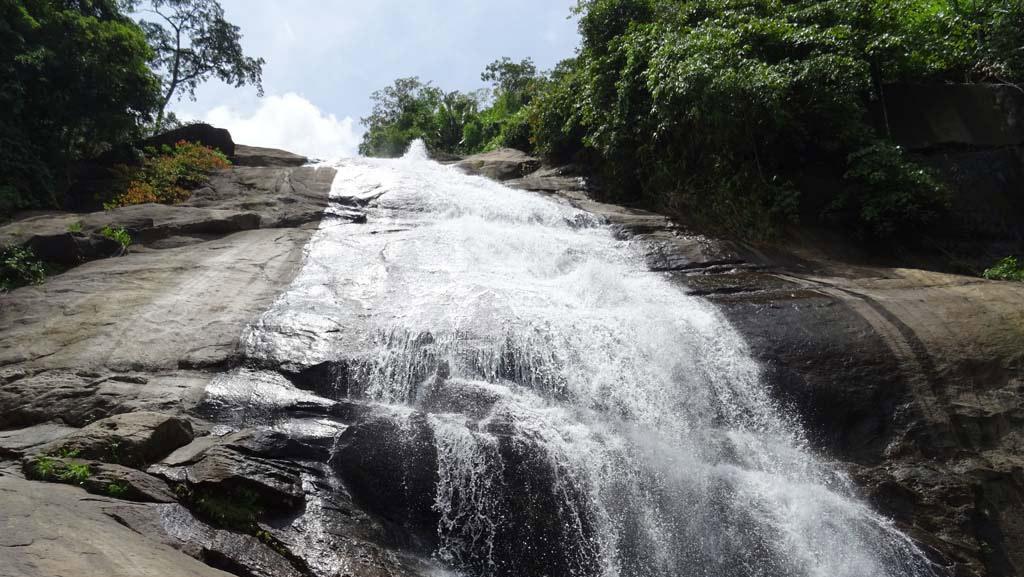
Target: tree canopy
[192,43]
[79,77]
[734,112]
[453,122]
[74,81]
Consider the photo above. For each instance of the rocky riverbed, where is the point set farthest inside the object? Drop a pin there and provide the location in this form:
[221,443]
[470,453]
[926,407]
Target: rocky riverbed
[131,367]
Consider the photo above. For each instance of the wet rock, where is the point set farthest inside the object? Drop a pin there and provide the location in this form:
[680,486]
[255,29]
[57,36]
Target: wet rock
[125,483]
[283,197]
[502,164]
[174,526]
[132,438]
[223,470]
[389,463]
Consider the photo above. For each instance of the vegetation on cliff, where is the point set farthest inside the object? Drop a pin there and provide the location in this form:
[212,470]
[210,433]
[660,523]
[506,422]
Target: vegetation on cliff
[168,175]
[79,79]
[742,114]
[74,81]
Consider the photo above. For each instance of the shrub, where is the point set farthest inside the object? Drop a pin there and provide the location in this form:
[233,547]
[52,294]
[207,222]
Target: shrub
[119,234]
[76,473]
[716,107]
[889,194]
[75,81]
[19,266]
[1007,269]
[44,468]
[117,489]
[169,176]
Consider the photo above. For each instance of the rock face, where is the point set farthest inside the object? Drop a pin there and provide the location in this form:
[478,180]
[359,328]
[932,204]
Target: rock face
[202,133]
[502,164]
[258,156]
[912,380]
[99,365]
[135,439]
[48,530]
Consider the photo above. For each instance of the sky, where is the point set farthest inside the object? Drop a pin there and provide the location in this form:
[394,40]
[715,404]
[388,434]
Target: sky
[325,57]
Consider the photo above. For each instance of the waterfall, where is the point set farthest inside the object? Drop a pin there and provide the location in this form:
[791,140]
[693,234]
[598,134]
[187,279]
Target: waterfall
[586,417]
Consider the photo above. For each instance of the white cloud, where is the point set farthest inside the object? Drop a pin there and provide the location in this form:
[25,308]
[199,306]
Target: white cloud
[292,123]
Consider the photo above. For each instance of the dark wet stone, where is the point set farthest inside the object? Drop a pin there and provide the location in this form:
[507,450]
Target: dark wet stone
[135,439]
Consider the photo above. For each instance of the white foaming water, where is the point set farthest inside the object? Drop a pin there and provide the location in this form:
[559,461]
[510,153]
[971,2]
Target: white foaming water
[512,318]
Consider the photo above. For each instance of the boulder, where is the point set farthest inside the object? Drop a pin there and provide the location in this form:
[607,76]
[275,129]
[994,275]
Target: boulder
[125,483]
[390,466]
[34,397]
[71,249]
[204,134]
[502,164]
[131,438]
[48,529]
[259,156]
[173,525]
[106,479]
[18,442]
[230,466]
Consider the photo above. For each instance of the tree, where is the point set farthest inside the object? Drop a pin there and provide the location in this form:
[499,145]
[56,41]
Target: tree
[511,80]
[74,81]
[192,43]
[402,112]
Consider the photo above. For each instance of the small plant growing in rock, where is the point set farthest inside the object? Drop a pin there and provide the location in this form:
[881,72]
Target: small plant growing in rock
[19,266]
[119,234]
[114,452]
[117,489]
[44,468]
[1007,269]
[75,227]
[67,453]
[76,473]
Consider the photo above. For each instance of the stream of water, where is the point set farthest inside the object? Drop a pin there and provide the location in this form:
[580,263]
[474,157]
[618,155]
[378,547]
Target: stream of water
[561,380]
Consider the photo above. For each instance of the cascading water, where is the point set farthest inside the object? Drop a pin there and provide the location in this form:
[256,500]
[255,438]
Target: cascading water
[584,415]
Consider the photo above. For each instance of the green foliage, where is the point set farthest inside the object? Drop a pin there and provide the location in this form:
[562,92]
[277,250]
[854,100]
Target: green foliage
[170,175]
[239,510]
[192,43]
[118,234]
[403,112]
[50,468]
[117,489]
[1007,269]
[19,266]
[45,468]
[75,473]
[715,108]
[75,227]
[454,122]
[67,453]
[890,194]
[74,81]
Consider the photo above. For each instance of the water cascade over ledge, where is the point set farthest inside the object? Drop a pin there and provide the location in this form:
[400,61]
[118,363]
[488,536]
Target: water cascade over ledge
[536,402]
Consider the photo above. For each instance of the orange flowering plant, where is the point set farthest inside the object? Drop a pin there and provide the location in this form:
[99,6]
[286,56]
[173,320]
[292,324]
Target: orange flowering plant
[170,176]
